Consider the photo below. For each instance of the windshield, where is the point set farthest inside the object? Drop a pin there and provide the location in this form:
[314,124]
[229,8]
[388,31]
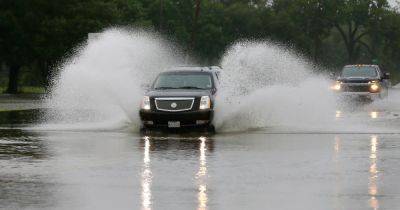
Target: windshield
[183,81]
[359,71]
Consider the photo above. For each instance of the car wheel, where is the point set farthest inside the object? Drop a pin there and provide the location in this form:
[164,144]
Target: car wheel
[144,129]
[210,129]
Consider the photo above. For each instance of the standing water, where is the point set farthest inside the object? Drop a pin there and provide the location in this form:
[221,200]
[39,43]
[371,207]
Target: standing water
[265,87]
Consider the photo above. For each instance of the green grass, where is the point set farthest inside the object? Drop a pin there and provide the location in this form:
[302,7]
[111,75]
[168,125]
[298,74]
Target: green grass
[27,89]
[30,89]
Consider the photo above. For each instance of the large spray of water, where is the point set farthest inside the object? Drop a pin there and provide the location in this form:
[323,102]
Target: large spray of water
[101,86]
[267,85]
[263,85]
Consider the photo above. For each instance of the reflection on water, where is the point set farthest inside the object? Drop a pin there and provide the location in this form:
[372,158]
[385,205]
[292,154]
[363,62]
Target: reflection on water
[16,143]
[201,175]
[338,114]
[19,118]
[146,176]
[373,115]
[337,146]
[187,144]
[25,170]
[373,174]
[338,174]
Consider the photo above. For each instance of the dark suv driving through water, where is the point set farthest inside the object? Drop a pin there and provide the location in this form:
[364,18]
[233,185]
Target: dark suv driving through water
[182,97]
[362,81]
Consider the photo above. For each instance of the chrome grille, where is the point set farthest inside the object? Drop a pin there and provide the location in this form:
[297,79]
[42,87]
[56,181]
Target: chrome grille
[355,88]
[174,104]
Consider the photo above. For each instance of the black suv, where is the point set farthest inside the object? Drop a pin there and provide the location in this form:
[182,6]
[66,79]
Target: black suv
[182,97]
[366,81]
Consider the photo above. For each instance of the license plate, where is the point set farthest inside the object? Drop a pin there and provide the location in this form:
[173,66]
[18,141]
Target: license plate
[174,124]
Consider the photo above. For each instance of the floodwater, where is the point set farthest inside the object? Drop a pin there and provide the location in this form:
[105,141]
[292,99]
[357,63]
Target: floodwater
[282,141]
[258,169]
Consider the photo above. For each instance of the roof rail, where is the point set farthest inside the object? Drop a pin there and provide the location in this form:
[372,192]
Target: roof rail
[199,68]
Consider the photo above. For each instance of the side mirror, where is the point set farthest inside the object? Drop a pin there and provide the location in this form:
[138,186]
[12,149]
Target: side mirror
[213,91]
[386,75]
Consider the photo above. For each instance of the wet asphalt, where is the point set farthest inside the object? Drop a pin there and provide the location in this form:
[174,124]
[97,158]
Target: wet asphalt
[258,169]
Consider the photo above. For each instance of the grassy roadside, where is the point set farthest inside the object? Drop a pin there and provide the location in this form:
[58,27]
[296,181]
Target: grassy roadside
[28,98]
[27,90]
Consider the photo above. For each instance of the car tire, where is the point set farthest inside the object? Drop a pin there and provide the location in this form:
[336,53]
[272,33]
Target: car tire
[144,129]
[210,128]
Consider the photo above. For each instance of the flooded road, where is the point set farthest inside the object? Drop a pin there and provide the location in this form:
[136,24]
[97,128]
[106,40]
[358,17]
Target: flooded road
[265,168]
[283,141]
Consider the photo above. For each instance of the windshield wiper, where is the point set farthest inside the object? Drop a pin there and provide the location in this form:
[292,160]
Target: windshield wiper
[161,88]
[191,87]
[183,87]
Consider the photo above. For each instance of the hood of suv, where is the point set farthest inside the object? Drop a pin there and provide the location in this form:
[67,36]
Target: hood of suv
[178,93]
[356,79]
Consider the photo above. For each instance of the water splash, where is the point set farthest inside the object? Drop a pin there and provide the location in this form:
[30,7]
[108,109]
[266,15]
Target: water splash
[263,85]
[102,84]
[267,85]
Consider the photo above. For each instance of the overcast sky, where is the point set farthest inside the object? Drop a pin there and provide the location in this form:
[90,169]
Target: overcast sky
[394,3]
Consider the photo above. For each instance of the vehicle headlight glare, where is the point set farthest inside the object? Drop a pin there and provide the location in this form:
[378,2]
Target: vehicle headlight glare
[205,102]
[374,87]
[146,103]
[336,86]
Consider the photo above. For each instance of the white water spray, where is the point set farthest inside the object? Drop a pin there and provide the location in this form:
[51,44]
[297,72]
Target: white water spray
[264,85]
[267,85]
[101,86]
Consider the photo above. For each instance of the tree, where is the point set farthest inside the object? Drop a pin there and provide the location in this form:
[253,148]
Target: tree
[354,19]
[195,19]
[17,26]
[36,35]
[305,23]
[43,32]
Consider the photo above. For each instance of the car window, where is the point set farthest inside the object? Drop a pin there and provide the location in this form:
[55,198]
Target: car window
[189,81]
[359,71]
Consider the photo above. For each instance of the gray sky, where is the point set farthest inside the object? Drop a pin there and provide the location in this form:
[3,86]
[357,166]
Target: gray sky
[394,3]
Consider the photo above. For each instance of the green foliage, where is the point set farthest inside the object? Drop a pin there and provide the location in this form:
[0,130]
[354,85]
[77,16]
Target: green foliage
[37,34]
[28,90]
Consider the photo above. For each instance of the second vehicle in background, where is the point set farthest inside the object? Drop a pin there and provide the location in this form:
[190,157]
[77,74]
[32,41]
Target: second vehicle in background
[362,81]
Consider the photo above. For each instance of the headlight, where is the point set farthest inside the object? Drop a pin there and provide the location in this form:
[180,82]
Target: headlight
[205,102]
[145,103]
[336,86]
[374,87]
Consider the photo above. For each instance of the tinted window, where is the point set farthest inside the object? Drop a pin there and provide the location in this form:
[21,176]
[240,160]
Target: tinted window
[359,71]
[180,80]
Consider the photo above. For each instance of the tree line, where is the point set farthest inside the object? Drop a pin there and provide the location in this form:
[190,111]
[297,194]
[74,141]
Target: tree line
[35,35]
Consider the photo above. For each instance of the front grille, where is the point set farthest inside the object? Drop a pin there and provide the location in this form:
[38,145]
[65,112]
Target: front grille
[358,81]
[174,104]
[356,88]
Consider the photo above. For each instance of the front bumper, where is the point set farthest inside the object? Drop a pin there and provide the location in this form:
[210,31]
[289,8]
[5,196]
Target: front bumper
[356,95]
[198,118]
